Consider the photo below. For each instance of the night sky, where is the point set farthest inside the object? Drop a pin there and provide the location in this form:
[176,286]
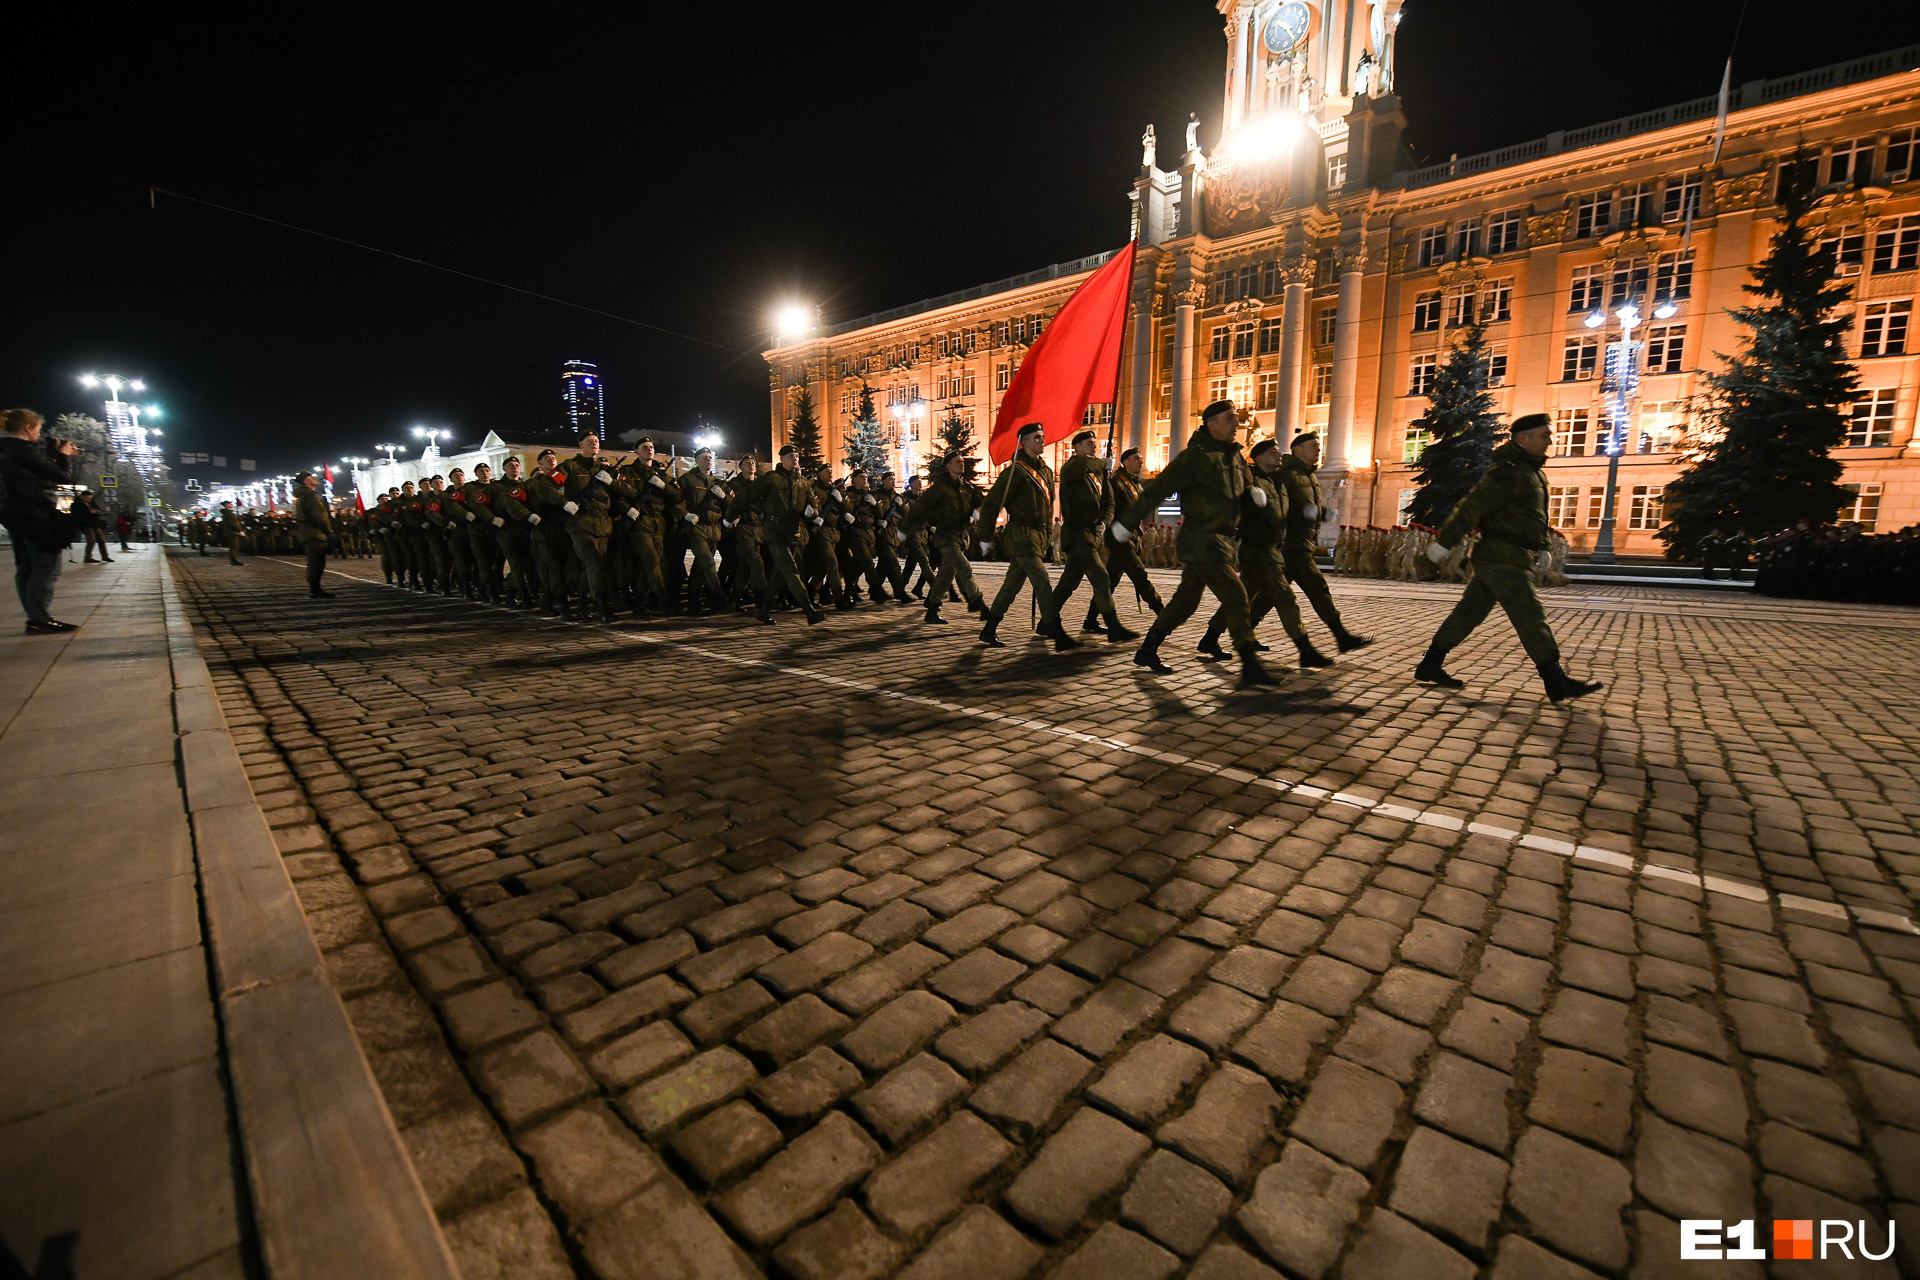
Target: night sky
[688,166]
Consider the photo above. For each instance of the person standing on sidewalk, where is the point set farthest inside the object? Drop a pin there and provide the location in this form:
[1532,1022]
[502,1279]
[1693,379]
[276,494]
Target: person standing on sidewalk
[228,528]
[29,469]
[1509,507]
[85,510]
[123,525]
[315,525]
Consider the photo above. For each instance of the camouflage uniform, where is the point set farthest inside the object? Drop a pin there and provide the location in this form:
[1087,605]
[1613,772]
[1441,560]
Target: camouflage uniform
[783,498]
[1025,489]
[1509,506]
[747,521]
[1263,569]
[822,556]
[1123,558]
[944,515]
[1211,479]
[704,497]
[1086,509]
[589,487]
[1305,511]
[890,509]
[649,489]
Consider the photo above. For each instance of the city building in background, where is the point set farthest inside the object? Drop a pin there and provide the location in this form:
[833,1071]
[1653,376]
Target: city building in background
[585,398]
[1305,268]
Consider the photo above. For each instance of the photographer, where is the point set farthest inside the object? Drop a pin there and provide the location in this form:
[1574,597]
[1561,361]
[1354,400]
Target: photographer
[29,469]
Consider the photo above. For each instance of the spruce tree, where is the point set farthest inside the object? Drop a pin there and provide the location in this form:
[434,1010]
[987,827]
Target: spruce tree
[867,443]
[1464,431]
[955,435]
[804,433]
[1767,423]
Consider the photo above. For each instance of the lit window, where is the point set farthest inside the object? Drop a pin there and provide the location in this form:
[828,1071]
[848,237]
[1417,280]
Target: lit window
[1322,384]
[1883,328]
[1872,423]
[1579,359]
[1336,172]
[1596,503]
[1643,508]
[1563,505]
[1418,438]
[1865,508]
[1570,433]
[1420,382]
[1216,389]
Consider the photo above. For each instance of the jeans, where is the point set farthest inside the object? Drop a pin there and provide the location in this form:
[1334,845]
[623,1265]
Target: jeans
[34,573]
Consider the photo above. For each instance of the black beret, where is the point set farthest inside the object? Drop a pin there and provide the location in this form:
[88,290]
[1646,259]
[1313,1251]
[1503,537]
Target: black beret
[642,440]
[1529,422]
[1218,406]
[1128,452]
[786,449]
[1030,428]
[1263,447]
[1085,433]
[1299,440]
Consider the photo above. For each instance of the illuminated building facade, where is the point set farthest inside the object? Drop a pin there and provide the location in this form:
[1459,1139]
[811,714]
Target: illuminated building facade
[1304,268]
[585,398]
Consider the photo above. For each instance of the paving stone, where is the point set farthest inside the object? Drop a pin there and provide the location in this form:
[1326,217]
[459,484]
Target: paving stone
[1586,1021]
[639,1054]
[809,1085]
[901,1028]
[1300,1209]
[714,1077]
[987,1039]
[1227,1262]
[894,923]
[1685,1026]
[1584,1097]
[1231,1119]
[1605,973]
[1384,1044]
[908,1097]
[488,1014]
[1392,1247]
[1090,1156]
[1514,979]
[1326,985]
[1697,1092]
[714,1018]
[722,967]
[530,1077]
[1215,1016]
[1449,1187]
[980,1246]
[1114,1253]
[1364,942]
[1771,1032]
[933,1177]
[1107,1017]
[1348,1113]
[733,1138]
[623,968]
[792,1029]
[814,965]
[844,1245]
[801,1181]
[1053,989]
[1467,1100]
[878,981]
[977,978]
[1873,1036]
[1660,1254]
[587,1161]
[1804,1100]
[1689,1175]
[1413,995]
[1281,1044]
[1571,1197]
[1170,966]
[1805,1158]
[624,1009]
[1439,947]
[1488,1032]
[1022,1096]
[1254,970]
[1175,1202]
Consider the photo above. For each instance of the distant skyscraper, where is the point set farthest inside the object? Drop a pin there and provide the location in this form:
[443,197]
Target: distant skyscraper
[581,390]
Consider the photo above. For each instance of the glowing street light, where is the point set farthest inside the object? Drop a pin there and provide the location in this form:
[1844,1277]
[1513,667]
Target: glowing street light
[391,450]
[433,436]
[793,321]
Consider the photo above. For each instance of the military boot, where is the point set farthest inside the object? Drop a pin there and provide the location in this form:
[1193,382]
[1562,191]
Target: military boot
[1057,632]
[989,634]
[933,616]
[1117,634]
[1148,656]
[1433,671]
[1209,645]
[1310,656]
[1347,642]
[1253,672]
[1092,624]
[1562,687]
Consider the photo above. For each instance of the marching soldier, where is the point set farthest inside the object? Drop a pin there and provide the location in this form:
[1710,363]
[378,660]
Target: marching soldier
[315,523]
[384,524]
[1086,509]
[652,501]
[514,523]
[744,523]
[943,516]
[1025,491]
[197,532]
[413,524]
[1212,480]
[552,540]
[822,556]
[229,530]
[461,521]
[1263,528]
[1304,513]
[589,493]
[483,530]
[436,523]
[703,501]
[891,509]
[858,541]
[784,501]
[1509,506]
[1124,557]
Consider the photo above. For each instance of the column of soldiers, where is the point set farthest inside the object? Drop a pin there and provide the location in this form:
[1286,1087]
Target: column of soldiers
[588,536]
[273,533]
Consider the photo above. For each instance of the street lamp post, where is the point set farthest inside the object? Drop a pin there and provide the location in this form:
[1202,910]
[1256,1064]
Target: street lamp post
[432,435]
[1621,379]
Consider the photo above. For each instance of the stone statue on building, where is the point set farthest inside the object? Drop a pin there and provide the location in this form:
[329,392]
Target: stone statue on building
[1193,131]
[1146,148]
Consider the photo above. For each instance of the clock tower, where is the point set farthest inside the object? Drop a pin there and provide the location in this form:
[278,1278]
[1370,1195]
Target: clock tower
[1311,57]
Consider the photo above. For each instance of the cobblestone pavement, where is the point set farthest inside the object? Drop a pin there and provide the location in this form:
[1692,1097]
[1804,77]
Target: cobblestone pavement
[698,949]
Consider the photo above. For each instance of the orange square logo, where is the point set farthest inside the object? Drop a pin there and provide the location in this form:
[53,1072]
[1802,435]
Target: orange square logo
[1793,1238]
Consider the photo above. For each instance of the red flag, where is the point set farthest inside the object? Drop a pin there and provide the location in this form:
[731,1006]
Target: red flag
[1074,363]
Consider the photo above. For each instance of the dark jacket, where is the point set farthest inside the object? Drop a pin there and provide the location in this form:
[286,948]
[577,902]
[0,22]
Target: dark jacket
[312,519]
[1025,489]
[28,473]
[947,509]
[1509,506]
[1086,501]
[1306,511]
[1211,479]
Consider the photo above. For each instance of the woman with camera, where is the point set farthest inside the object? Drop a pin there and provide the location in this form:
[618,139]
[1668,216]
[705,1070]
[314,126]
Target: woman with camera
[29,469]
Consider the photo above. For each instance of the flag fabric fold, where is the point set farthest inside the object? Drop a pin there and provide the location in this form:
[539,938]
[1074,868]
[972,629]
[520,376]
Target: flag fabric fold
[1074,363]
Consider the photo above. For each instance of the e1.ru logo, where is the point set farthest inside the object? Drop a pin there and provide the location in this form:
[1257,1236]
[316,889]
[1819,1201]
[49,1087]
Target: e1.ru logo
[1793,1238]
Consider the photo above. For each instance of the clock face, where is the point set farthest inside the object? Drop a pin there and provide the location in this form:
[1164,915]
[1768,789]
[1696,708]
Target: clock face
[1287,28]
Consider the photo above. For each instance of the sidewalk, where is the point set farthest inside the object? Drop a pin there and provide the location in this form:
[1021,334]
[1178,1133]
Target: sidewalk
[188,1101]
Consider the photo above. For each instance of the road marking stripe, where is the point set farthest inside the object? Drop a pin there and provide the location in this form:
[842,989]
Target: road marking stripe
[1624,862]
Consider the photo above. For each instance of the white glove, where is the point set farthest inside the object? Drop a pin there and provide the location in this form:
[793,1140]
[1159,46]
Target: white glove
[1259,496]
[899,536]
[533,517]
[868,501]
[633,513]
[692,518]
[499,523]
[807,511]
[848,517]
[1437,553]
[602,476]
[1120,532]
[1542,561]
[1310,511]
[818,523]
[722,492]
[571,508]
[726,524]
[973,517]
[656,482]
[986,549]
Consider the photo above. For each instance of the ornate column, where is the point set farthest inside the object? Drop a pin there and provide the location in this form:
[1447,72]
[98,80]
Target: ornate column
[1297,273]
[1140,378]
[1351,262]
[1180,415]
